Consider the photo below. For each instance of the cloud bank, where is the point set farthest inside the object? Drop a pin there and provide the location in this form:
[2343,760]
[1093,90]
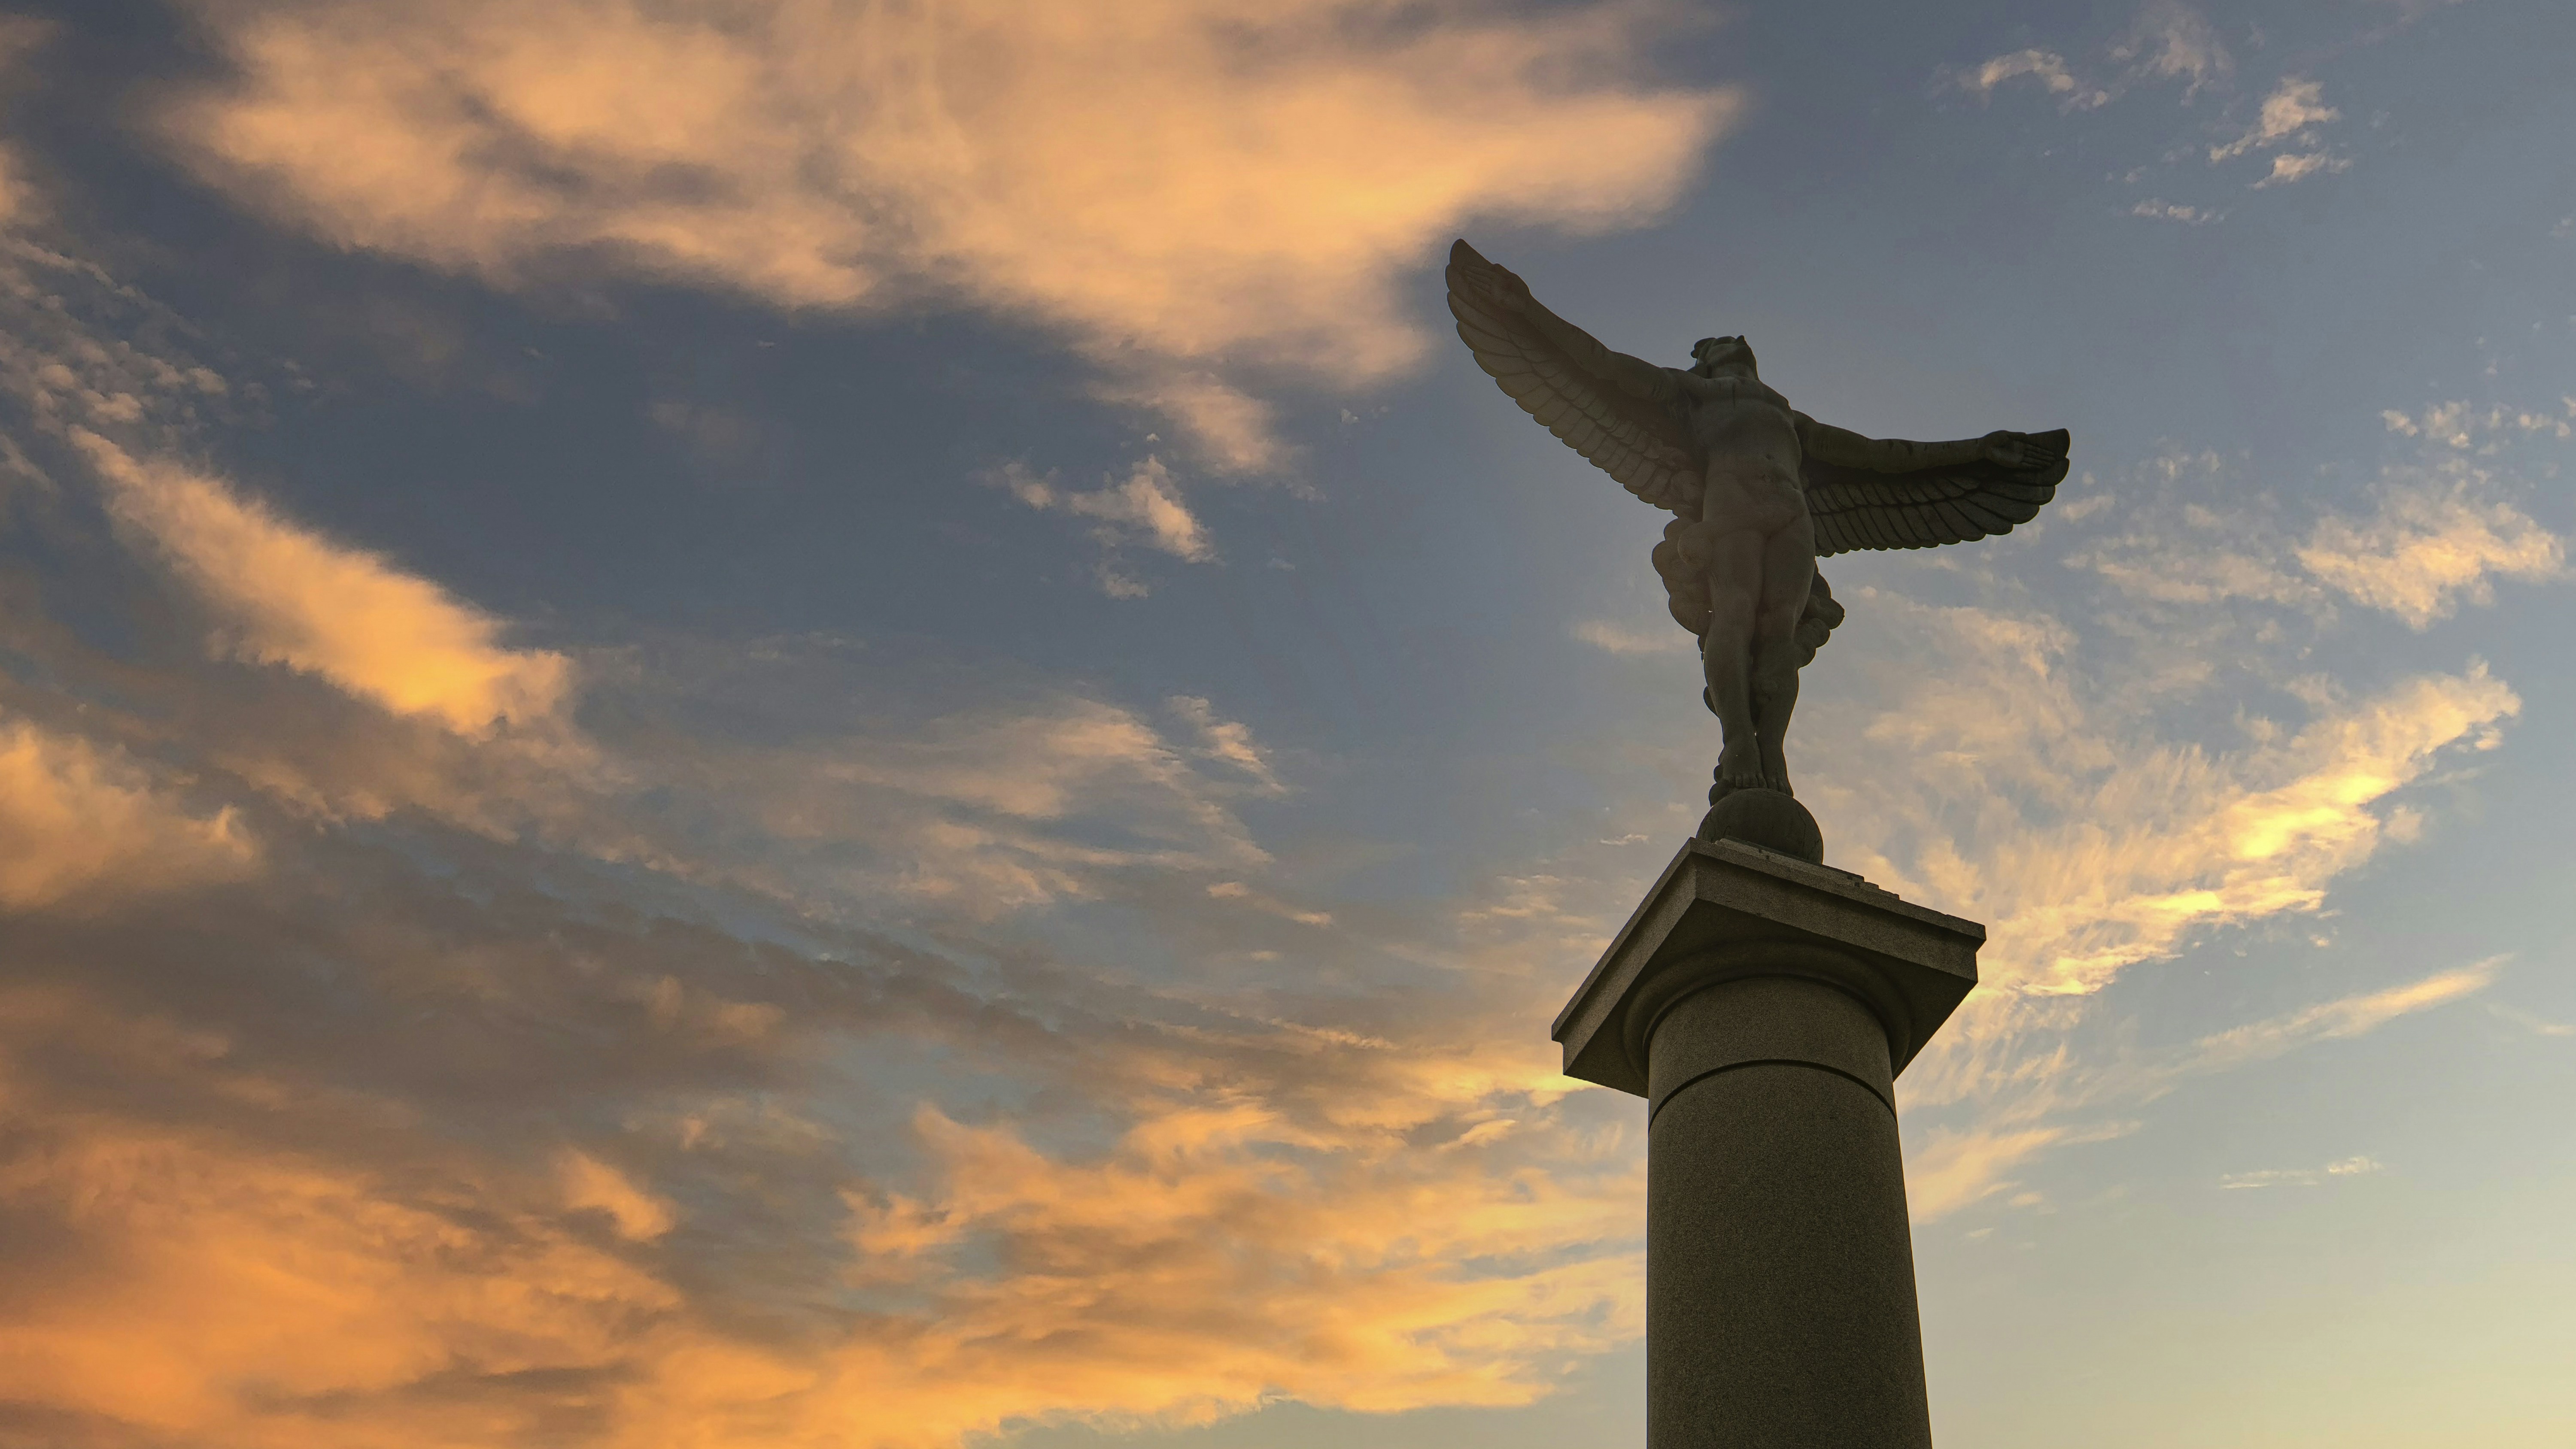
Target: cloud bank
[1182,189]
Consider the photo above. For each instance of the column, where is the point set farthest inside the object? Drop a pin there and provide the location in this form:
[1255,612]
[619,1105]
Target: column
[1763,1006]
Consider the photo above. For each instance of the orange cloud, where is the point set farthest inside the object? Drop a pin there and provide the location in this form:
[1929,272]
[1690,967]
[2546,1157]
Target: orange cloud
[287,595]
[79,822]
[204,1285]
[201,1285]
[1180,186]
[2091,848]
[1220,1254]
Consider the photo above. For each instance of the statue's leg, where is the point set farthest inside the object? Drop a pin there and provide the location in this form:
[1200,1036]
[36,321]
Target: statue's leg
[1734,564]
[1788,572]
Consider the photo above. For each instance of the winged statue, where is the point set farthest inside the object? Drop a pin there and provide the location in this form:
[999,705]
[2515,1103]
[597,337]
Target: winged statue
[1759,491]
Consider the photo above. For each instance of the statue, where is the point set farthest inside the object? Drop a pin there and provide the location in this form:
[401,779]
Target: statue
[1760,492]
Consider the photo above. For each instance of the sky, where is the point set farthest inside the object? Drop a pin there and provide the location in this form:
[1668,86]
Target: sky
[813,723]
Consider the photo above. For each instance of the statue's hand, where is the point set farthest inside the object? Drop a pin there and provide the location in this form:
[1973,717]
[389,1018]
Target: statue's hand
[2015,451]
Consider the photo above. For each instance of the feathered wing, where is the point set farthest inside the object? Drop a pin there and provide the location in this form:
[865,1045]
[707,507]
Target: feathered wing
[1855,509]
[1635,441]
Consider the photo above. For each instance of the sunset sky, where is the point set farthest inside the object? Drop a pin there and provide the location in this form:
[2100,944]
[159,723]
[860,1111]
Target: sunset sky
[840,724]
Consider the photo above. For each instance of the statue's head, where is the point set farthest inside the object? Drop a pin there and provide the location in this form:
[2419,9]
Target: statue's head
[1722,354]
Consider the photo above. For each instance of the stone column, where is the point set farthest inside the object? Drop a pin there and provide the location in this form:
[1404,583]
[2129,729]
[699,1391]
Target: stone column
[1763,1006]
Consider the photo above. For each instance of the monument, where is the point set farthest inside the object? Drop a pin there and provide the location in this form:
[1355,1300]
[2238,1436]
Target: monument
[1762,1002]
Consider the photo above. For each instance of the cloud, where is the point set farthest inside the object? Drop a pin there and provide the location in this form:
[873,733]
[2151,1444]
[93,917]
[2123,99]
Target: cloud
[2333,1020]
[1228,741]
[2439,535]
[1364,1218]
[2168,40]
[2142,844]
[1953,1169]
[2461,427]
[2289,167]
[593,1185]
[2431,546]
[990,811]
[2535,1024]
[1145,509]
[2172,41]
[2044,66]
[2035,775]
[884,1054]
[1218,1255]
[2175,211]
[286,595]
[2292,112]
[211,1294]
[1621,639]
[2036,1095]
[83,824]
[1178,186]
[2303,1176]
[1231,428]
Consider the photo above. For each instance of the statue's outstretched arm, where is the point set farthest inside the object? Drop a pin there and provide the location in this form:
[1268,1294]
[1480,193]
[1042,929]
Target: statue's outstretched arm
[1829,444]
[1634,376]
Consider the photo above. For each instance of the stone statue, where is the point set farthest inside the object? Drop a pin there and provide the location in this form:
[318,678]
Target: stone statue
[1760,492]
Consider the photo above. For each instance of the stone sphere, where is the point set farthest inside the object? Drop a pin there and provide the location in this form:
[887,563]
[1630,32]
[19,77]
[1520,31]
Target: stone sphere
[1766,818]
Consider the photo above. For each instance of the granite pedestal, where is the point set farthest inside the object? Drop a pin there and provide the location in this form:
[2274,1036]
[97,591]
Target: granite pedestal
[1763,1006]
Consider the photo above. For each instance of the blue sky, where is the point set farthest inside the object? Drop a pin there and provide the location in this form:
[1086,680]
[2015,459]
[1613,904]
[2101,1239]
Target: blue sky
[808,723]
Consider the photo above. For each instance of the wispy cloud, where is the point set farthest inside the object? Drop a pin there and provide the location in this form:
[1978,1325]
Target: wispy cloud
[2123,847]
[2333,1020]
[2441,533]
[285,595]
[2293,109]
[1227,741]
[2463,427]
[2046,67]
[1617,638]
[992,811]
[2288,168]
[1145,508]
[2303,1176]
[2167,40]
[2175,211]
[2024,768]
[2290,116]
[1180,188]
[2037,1096]
[2170,40]
[1957,1169]
[2430,547]
[2532,1022]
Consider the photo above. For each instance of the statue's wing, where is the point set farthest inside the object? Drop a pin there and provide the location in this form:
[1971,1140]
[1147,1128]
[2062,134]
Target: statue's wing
[1855,509]
[1637,442]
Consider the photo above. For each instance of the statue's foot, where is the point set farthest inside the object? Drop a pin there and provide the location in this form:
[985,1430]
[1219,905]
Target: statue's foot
[1739,767]
[1775,776]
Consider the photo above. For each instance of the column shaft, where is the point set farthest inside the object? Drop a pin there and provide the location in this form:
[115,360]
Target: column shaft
[1780,1305]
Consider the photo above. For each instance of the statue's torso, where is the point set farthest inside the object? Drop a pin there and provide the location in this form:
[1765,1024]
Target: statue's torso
[1750,441]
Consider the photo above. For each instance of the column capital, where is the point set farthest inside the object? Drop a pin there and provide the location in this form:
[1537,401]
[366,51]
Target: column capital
[1725,910]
